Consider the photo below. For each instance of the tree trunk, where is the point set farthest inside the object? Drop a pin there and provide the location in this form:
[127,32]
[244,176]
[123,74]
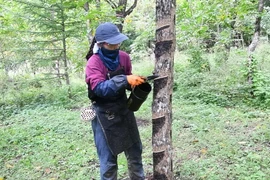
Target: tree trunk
[66,74]
[121,10]
[162,92]
[88,28]
[254,43]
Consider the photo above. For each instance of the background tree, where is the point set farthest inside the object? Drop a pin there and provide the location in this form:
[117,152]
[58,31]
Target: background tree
[213,26]
[211,23]
[254,43]
[12,25]
[163,88]
[87,9]
[56,22]
[266,23]
[122,10]
[51,24]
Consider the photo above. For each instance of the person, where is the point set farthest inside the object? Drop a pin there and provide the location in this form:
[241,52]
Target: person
[108,76]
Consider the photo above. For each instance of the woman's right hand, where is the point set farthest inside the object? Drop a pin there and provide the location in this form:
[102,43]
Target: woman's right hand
[135,80]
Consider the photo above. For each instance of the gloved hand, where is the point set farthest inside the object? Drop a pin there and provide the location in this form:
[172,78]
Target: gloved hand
[135,80]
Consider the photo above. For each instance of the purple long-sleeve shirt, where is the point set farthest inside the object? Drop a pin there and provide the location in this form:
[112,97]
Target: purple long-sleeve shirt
[96,72]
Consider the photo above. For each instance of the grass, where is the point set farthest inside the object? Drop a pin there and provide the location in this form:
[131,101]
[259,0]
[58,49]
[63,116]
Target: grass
[45,143]
[216,135]
[221,143]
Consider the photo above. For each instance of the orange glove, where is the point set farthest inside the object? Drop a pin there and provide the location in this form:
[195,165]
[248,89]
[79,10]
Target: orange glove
[134,80]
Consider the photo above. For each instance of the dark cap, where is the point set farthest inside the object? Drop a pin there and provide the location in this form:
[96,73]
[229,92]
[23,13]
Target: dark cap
[109,33]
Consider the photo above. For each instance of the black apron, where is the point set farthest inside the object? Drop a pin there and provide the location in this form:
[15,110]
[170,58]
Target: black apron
[118,124]
[117,121]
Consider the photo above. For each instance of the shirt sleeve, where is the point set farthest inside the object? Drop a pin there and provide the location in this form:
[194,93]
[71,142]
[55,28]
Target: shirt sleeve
[96,77]
[126,61]
[111,87]
[94,72]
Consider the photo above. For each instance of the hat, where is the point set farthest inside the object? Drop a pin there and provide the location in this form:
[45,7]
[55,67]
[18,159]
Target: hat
[109,33]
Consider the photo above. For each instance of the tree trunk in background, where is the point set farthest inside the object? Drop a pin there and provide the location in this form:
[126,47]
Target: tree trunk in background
[64,37]
[254,43]
[88,27]
[121,10]
[162,92]
[91,39]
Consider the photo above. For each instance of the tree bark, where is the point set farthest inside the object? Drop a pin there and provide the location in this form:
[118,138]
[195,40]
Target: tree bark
[255,41]
[162,91]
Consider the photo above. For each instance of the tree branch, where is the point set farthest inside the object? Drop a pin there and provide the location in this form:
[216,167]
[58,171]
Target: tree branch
[113,5]
[86,6]
[131,8]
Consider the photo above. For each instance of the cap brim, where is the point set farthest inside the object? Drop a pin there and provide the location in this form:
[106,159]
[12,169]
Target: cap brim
[117,39]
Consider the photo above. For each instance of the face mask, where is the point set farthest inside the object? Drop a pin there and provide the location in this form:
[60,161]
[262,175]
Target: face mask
[112,54]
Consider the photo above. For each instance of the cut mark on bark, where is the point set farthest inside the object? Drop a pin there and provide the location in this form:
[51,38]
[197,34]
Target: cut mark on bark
[158,123]
[158,158]
[160,83]
[162,27]
[163,47]
[158,134]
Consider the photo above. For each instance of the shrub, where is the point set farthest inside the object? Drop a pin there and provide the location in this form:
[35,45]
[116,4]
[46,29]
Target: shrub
[197,61]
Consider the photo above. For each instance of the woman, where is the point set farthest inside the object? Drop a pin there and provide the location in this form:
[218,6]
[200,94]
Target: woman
[108,75]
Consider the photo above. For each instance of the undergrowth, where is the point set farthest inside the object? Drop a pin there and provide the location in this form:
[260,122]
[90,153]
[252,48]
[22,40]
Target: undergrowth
[219,131]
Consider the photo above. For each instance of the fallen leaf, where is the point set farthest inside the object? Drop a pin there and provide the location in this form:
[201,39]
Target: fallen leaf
[48,170]
[204,150]
[9,166]
[38,168]
[242,142]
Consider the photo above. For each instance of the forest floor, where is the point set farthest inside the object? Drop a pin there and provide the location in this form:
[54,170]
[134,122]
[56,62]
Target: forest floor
[209,142]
